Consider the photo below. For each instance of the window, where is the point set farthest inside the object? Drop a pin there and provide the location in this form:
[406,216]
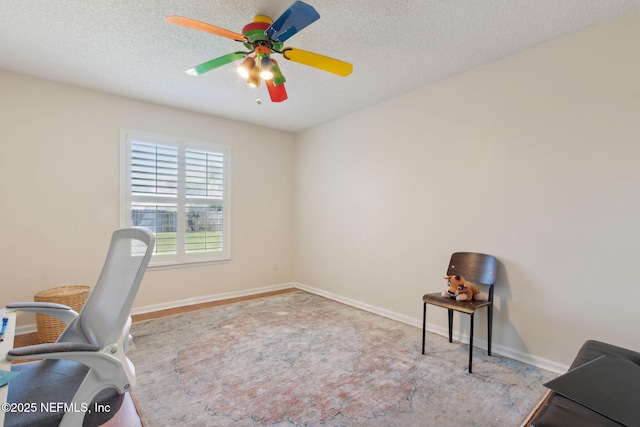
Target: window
[177,189]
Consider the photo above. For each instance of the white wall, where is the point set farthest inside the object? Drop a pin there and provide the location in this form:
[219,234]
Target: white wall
[534,159]
[59,172]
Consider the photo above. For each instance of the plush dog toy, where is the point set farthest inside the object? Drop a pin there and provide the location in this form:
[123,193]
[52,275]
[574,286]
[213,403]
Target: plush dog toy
[462,290]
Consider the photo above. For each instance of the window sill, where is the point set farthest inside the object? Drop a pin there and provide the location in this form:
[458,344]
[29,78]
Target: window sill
[186,264]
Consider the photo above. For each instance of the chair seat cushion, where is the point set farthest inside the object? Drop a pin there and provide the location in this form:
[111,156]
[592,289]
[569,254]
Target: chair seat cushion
[46,389]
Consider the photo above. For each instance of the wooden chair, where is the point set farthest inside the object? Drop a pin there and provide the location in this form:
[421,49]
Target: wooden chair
[476,268]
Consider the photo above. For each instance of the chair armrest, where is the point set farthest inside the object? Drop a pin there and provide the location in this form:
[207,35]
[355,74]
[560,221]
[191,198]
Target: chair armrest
[104,364]
[59,311]
[39,350]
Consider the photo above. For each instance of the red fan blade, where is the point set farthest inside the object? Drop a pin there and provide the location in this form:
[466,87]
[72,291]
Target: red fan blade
[277,93]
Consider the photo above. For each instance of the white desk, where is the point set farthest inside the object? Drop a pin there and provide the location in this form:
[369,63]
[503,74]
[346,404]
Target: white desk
[5,365]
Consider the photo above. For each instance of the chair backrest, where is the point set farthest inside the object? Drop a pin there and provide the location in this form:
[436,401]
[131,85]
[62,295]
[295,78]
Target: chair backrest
[475,267]
[106,312]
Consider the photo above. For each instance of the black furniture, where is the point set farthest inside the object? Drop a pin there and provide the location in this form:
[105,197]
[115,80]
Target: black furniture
[476,268]
[560,411]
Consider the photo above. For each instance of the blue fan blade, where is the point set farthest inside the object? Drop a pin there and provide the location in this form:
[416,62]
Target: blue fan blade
[293,20]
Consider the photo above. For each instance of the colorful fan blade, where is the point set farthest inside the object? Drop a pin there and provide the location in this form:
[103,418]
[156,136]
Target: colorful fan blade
[315,60]
[292,21]
[202,26]
[277,93]
[215,63]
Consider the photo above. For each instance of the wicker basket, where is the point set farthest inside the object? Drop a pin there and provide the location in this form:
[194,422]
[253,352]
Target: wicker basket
[50,328]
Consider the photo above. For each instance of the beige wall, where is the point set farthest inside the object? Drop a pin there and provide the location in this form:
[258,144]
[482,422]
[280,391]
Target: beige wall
[535,159]
[59,183]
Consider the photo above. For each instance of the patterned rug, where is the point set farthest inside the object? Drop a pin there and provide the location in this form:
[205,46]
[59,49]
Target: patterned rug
[297,359]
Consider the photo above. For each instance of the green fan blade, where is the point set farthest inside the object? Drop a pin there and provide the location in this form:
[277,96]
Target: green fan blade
[215,63]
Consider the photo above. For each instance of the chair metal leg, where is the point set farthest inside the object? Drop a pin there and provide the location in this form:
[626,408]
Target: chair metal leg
[490,326]
[471,343]
[424,324]
[450,325]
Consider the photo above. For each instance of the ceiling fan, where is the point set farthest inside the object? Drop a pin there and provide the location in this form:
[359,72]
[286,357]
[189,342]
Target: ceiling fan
[263,37]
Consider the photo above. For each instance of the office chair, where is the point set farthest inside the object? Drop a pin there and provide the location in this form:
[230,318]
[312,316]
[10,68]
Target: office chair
[83,376]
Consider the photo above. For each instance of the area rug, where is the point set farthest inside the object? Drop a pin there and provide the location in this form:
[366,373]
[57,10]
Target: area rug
[298,359]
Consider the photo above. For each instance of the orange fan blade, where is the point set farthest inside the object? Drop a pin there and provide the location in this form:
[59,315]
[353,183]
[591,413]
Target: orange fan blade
[202,26]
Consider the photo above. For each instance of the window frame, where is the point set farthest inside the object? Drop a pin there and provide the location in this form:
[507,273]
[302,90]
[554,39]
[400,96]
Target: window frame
[181,258]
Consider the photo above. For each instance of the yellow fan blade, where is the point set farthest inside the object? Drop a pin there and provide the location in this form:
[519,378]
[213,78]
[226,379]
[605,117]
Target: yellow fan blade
[203,26]
[315,60]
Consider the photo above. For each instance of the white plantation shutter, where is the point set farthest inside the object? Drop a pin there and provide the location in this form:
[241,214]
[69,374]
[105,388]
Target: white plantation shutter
[204,191]
[154,169]
[178,190]
[204,174]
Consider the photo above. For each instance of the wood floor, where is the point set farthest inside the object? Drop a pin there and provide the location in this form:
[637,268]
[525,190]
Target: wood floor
[127,416]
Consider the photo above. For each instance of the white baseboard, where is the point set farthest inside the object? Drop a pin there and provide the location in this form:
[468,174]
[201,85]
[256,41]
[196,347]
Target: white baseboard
[496,348]
[26,329]
[479,343]
[32,327]
[210,298]
[361,305]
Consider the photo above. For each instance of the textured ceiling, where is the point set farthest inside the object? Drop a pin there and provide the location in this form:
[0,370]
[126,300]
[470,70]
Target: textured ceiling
[126,48]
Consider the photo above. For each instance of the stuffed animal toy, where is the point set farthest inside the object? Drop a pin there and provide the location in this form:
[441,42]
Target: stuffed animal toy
[462,290]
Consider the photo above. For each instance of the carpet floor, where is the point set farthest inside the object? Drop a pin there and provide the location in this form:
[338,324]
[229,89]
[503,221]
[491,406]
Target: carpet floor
[301,360]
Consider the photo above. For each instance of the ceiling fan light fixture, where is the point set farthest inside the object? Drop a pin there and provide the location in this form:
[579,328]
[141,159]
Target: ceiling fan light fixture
[245,68]
[254,77]
[266,68]
[262,38]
